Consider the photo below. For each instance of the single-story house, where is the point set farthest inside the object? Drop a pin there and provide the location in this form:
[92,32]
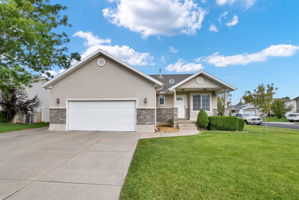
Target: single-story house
[41,111]
[247,109]
[102,93]
[294,104]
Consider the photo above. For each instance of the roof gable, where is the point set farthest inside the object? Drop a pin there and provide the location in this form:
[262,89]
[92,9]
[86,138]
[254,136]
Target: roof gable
[82,63]
[209,76]
[170,80]
[200,82]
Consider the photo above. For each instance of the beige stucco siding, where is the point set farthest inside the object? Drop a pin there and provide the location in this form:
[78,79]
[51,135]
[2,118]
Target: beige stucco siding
[200,82]
[168,101]
[111,81]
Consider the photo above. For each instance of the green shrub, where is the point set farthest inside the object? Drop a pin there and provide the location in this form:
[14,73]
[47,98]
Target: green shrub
[3,117]
[226,123]
[202,119]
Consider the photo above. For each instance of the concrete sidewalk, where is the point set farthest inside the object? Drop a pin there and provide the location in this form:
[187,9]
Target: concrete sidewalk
[37,164]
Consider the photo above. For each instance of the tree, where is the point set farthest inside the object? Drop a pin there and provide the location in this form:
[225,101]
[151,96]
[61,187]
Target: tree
[30,41]
[16,101]
[279,108]
[261,97]
[220,106]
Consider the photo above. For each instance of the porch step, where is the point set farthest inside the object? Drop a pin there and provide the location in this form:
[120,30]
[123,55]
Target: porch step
[187,125]
[188,129]
[185,121]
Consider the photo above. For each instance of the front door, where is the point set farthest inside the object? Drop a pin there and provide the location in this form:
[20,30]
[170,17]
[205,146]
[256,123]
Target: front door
[180,104]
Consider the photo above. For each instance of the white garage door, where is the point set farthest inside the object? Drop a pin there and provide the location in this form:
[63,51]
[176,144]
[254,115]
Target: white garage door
[102,115]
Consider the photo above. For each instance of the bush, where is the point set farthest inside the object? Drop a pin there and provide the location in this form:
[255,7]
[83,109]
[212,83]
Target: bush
[3,117]
[202,119]
[279,108]
[226,123]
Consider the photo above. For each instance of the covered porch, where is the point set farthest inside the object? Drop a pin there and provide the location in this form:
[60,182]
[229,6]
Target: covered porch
[183,101]
[189,102]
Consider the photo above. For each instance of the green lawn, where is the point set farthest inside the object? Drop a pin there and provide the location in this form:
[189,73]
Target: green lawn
[6,127]
[260,163]
[275,119]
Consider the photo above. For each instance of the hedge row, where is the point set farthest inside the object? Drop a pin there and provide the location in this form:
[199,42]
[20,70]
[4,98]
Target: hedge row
[226,123]
[219,122]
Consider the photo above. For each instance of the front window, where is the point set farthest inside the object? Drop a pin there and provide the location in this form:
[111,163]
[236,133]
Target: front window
[201,101]
[162,100]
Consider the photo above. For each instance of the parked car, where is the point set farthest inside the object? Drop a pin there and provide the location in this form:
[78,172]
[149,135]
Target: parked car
[293,117]
[250,119]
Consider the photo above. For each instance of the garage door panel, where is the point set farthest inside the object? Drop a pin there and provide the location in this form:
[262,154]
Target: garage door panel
[102,115]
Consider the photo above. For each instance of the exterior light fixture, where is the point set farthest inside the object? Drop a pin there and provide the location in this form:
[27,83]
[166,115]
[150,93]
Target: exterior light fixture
[145,100]
[57,101]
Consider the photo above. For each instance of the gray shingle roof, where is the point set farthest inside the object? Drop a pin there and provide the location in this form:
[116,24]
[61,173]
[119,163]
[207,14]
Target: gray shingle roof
[170,80]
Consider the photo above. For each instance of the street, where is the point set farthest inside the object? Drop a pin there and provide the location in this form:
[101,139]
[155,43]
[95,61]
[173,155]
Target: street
[282,125]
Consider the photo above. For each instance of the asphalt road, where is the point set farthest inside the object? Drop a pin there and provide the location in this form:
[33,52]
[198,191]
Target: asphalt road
[281,125]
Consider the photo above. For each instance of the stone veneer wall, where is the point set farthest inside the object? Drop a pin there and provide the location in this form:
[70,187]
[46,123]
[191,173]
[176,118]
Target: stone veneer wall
[57,116]
[145,116]
[167,116]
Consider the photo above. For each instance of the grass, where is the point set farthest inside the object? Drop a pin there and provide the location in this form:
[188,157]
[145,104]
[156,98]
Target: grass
[259,163]
[275,119]
[7,127]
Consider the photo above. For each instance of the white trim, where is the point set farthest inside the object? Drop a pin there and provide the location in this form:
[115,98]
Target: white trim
[191,101]
[57,108]
[97,99]
[103,99]
[155,102]
[197,74]
[160,100]
[90,57]
[165,107]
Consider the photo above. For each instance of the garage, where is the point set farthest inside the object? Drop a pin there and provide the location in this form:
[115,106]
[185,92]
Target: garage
[101,115]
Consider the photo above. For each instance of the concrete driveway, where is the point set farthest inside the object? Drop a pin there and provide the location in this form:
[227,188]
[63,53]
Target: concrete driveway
[37,164]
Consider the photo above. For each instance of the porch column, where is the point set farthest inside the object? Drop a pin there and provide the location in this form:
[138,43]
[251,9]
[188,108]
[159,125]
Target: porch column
[174,109]
[174,99]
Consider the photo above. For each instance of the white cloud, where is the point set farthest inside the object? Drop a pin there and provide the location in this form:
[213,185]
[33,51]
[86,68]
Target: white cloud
[246,3]
[163,60]
[156,17]
[213,28]
[173,50]
[222,16]
[249,3]
[224,2]
[181,66]
[233,22]
[282,50]
[125,53]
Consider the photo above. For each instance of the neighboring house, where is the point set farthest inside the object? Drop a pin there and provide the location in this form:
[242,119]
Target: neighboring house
[248,108]
[41,112]
[102,93]
[294,104]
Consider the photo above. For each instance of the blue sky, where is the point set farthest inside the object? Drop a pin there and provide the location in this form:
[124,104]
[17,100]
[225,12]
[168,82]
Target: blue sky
[243,42]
